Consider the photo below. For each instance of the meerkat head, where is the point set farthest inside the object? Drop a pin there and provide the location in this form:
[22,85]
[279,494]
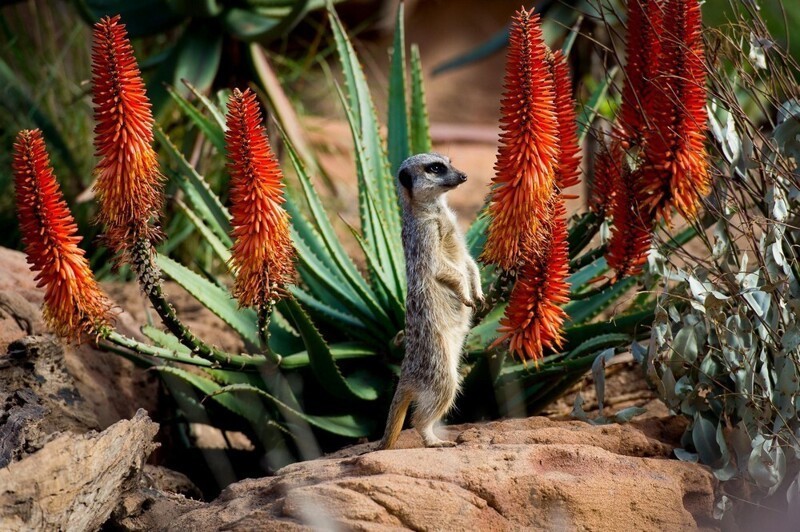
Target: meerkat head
[427,176]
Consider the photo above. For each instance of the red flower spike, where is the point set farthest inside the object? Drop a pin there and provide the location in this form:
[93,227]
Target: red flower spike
[607,168]
[534,317]
[528,152]
[569,160]
[262,250]
[129,183]
[631,233]
[643,51]
[675,155]
[73,302]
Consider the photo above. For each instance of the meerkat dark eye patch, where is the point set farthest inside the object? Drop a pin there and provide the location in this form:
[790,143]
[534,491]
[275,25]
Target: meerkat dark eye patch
[406,179]
[436,168]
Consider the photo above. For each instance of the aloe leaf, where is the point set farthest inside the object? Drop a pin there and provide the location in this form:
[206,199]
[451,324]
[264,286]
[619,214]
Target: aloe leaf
[590,109]
[115,339]
[252,411]
[325,285]
[420,127]
[321,359]
[207,125]
[334,317]
[375,229]
[350,312]
[216,113]
[165,339]
[381,276]
[198,192]
[283,111]
[485,332]
[476,234]
[598,343]
[303,229]
[247,25]
[582,231]
[398,135]
[195,57]
[364,122]
[342,351]
[627,323]
[329,289]
[346,425]
[222,251]
[566,48]
[585,309]
[180,228]
[340,261]
[283,338]
[141,18]
[217,300]
[197,8]
[579,280]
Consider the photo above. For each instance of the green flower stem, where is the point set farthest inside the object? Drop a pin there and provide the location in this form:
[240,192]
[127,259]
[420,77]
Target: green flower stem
[264,317]
[498,291]
[121,340]
[170,319]
[150,281]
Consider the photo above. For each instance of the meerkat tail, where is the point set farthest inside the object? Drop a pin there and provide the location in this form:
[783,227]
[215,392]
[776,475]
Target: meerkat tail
[397,415]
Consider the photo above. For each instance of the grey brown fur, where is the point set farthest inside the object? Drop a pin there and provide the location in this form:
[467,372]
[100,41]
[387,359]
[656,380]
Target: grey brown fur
[443,287]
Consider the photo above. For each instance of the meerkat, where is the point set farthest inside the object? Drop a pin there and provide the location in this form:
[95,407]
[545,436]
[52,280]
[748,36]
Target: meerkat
[444,287]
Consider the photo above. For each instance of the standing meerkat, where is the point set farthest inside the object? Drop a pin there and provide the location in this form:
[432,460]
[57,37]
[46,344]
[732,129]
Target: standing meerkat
[444,285]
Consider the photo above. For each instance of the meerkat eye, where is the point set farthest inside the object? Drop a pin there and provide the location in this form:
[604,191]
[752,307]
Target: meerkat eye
[436,168]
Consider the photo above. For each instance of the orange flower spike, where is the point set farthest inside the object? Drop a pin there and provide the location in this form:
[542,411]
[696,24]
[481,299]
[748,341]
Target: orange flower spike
[607,165]
[675,154]
[262,250]
[534,317]
[643,49]
[569,159]
[129,183]
[631,233]
[528,152]
[73,302]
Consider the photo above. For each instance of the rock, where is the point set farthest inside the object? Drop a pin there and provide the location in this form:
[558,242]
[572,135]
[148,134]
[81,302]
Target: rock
[38,398]
[507,475]
[75,481]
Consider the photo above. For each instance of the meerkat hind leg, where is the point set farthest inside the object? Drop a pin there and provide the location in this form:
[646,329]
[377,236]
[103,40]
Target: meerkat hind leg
[427,411]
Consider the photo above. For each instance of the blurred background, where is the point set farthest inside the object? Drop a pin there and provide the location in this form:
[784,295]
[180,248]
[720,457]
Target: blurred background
[284,49]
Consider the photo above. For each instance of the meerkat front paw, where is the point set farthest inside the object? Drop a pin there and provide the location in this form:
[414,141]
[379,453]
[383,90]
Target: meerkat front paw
[480,299]
[467,302]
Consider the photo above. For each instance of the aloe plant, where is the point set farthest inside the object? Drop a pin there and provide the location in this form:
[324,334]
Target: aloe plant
[323,361]
[339,331]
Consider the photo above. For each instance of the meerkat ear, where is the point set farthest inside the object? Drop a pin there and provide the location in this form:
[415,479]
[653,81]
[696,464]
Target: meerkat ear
[406,179]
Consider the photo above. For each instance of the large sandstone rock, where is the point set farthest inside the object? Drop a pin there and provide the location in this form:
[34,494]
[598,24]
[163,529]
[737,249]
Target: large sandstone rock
[527,473]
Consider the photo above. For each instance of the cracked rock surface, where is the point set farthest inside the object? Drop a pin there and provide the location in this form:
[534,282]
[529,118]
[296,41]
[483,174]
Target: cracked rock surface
[507,475]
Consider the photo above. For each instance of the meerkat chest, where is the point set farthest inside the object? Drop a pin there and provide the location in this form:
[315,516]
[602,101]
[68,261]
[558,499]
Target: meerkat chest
[449,239]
